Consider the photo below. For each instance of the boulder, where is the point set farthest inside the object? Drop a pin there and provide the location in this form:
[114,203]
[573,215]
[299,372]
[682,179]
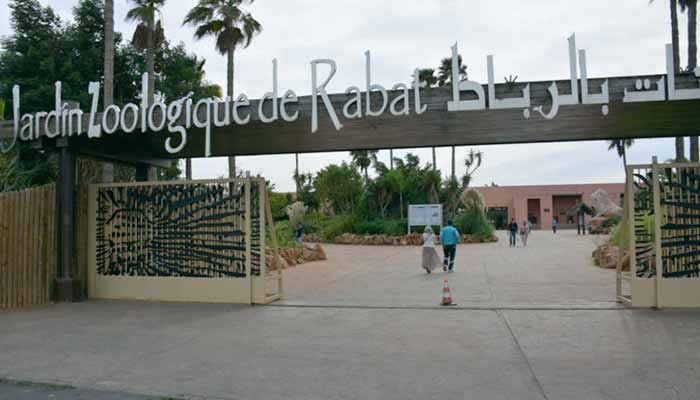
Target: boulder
[600,201]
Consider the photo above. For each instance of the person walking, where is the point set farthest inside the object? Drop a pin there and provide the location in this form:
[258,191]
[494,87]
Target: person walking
[524,233]
[513,229]
[555,224]
[581,223]
[449,237]
[431,259]
[298,232]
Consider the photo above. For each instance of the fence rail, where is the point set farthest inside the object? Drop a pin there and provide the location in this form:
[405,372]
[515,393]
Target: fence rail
[27,246]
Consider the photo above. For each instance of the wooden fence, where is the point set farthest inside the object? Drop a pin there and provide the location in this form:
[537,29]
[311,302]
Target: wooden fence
[27,246]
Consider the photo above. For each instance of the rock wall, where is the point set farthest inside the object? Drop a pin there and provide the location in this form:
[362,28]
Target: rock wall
[291,256]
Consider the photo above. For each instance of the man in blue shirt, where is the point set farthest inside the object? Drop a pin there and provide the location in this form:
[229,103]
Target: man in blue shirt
[449,237]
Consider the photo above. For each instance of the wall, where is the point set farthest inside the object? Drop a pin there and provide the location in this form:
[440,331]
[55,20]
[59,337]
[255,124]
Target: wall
[516,197]
[27,246]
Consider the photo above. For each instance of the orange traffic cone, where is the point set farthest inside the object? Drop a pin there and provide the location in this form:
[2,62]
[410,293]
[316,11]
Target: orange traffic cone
[446,295]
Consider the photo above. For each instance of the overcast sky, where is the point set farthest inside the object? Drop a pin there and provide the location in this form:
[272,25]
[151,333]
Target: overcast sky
[527,39]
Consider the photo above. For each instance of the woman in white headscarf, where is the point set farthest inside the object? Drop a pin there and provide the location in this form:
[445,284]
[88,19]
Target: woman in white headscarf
[431,259]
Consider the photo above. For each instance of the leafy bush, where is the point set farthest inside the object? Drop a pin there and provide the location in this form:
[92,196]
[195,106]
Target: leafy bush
[473,221]
[336,226]
[392,227]
[612,221]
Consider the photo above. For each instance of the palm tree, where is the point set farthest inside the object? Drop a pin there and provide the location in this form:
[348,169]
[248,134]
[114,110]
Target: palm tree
[296,174]
[621,146]
[680,144]
[363,159]
[391,159]
[148,35]
[109,53]
[444,77]
[472,163]
[445,71]
[233,28]
[691,6]
[427,75]
[108,70]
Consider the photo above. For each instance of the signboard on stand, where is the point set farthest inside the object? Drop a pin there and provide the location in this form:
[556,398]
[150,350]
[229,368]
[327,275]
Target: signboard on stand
[424,215]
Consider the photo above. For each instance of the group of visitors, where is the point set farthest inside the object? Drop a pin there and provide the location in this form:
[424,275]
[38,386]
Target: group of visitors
[449,237]
[513,231]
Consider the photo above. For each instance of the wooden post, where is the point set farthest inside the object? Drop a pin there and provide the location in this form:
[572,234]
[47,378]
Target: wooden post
[262,198]
[67,288]
[631,232]
[248,226]
[275,248]
[657,229]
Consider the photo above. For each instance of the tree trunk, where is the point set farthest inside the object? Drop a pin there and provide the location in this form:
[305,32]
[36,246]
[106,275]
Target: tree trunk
[109,53]
[680,149]
[434,160]
[188,169]
[692,35]
[229,93]
[150,61]
[452,174]
[401,203]
[694,150]
[296,175]
[391,159]
[675,35]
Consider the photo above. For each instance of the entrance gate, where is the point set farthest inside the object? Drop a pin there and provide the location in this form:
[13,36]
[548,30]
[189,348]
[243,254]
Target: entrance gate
[182,241]
[662,215]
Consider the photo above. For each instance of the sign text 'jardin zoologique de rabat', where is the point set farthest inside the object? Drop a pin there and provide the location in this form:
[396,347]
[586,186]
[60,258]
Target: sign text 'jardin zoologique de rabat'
[521,103]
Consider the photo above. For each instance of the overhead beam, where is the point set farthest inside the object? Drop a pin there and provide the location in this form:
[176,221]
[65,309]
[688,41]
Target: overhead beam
[435,127]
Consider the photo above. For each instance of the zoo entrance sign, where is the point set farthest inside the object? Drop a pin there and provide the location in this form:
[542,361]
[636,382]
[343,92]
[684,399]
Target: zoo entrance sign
[180,116]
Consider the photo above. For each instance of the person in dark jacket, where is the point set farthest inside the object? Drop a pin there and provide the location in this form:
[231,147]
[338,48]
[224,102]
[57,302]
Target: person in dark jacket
[513,230]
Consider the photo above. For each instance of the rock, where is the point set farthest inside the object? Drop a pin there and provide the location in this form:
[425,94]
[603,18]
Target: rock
[606,256]
[600,201]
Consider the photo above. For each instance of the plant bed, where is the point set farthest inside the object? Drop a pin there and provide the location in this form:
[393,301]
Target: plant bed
[414,239]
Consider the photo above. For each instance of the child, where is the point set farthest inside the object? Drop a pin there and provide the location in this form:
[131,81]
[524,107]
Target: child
[431,260]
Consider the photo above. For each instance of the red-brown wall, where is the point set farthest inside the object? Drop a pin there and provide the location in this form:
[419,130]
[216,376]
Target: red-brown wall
[516,198]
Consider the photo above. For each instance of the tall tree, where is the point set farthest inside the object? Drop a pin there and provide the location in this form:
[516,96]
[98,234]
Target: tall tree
[691,7]
[233,27]
[621,146]
[363,159]
[109,53]
[427,75]
[675,37]
[444,75]
[452,171]
[148,35]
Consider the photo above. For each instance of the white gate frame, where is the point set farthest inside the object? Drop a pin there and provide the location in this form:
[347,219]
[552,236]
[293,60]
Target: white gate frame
[247,290]
[655,291]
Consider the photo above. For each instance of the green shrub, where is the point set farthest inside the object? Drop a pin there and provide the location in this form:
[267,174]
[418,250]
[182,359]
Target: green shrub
[336,226]
[392,227]
[473,221]
[612,221]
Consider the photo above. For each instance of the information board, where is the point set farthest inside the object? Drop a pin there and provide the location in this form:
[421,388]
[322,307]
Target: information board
[424,215]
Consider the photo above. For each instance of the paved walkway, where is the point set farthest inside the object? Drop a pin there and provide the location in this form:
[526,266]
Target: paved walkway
[554,271]
[560,344]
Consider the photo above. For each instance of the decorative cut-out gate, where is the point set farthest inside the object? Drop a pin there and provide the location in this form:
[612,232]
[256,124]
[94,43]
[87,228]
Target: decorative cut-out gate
[662,215]
[182,241]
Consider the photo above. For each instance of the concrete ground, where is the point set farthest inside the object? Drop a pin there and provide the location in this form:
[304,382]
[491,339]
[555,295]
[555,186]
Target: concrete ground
[526,337]
[553,271]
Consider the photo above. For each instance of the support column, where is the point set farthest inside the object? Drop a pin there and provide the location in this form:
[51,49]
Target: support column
[67,286]
[146,173]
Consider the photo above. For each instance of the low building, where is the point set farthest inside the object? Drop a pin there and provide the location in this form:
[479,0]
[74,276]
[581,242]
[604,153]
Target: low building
[540,204]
